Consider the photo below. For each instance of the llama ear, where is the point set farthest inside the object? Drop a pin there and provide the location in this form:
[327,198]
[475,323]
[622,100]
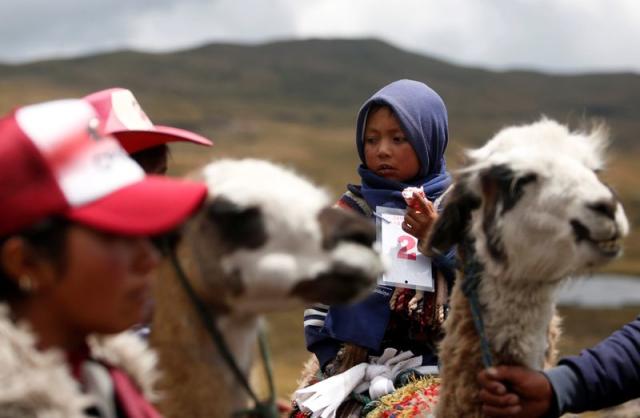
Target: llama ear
[239,226]
[452,222]
[494,183]
[502,189]
[338,225]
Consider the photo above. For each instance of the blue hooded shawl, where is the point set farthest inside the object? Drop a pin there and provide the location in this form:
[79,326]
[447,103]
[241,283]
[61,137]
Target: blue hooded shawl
[423,119]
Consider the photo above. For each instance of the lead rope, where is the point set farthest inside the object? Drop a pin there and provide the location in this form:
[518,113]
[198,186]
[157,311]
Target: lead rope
[262,409]
[268,407]
[471,279]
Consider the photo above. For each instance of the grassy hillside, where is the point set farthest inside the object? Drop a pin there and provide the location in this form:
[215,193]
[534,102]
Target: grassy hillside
[295,102]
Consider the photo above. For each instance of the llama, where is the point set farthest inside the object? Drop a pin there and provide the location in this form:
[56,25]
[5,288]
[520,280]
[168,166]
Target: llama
[526,213]
[265,240]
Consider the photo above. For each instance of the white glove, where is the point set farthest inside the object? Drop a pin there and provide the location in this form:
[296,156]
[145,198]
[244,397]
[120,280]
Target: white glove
[323,398]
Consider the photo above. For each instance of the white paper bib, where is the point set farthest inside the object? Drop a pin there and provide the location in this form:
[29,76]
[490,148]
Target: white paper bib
[407,266]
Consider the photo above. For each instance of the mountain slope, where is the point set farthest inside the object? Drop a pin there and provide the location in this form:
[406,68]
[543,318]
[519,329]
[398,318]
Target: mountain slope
[324,81]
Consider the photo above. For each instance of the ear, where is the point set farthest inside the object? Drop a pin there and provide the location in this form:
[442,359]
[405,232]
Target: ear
[18,261]
[495,183]
[338,225]
[13,257]
[238,226]
[501,186]
[452,223]
[501,191]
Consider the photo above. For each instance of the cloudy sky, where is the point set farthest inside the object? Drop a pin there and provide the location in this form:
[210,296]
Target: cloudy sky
[548,35]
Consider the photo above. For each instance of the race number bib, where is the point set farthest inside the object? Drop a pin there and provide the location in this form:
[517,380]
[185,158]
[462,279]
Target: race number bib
[408,267]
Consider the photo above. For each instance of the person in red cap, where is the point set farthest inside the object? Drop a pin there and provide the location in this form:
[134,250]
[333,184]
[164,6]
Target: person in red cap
[75,264]
[121,116]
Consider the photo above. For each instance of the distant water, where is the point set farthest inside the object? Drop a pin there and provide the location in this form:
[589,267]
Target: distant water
[601,291]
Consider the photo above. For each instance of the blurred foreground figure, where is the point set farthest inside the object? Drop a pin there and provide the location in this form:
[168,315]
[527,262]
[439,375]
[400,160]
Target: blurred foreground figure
[265,240]
[75,264]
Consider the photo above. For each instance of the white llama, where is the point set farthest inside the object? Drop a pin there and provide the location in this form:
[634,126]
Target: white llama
[265,240]
[527,212]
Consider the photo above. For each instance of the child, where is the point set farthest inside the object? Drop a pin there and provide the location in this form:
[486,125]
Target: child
[401,137]
[75,264]
[121,116]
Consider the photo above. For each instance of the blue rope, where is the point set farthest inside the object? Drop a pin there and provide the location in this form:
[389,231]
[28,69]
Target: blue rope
[471,280]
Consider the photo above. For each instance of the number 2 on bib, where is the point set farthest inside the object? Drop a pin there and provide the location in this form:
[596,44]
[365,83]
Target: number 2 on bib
[407,244]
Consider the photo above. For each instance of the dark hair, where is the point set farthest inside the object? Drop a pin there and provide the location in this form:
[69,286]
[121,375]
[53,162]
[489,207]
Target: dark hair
[153,160]
[379,105]
[47,239]
[375,106]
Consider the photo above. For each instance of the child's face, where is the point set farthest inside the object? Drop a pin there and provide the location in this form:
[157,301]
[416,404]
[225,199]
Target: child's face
[387,151]
[105,283]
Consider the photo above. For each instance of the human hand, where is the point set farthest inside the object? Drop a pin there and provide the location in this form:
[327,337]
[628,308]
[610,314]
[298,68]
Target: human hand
[419,217]
[514,391]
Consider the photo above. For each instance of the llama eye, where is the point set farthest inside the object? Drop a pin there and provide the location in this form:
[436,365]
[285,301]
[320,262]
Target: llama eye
[524,180]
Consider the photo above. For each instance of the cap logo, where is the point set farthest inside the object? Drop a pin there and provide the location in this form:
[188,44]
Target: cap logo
[92,129]
[127,110]
[105,160]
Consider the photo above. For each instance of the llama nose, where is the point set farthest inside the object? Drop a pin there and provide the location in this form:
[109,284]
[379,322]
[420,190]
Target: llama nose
[339,225]
[604,207]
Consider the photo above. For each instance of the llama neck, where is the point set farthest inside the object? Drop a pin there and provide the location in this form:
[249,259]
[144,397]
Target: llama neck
[240,333]
[195,377]
[516,314]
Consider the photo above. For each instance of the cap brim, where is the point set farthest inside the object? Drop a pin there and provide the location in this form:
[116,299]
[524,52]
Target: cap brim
[149,207]
[138,140]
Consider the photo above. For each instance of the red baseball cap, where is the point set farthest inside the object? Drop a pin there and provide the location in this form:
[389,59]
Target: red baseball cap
[121,115]
[53,162]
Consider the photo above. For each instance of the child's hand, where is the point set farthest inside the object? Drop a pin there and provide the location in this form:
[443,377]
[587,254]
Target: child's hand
[420,216]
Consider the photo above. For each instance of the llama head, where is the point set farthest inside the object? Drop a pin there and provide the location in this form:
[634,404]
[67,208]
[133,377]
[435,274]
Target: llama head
[268,239]
[532,204]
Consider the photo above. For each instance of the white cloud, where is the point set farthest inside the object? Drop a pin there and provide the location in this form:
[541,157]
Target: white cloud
[557,35]
[193,22]
[553,35]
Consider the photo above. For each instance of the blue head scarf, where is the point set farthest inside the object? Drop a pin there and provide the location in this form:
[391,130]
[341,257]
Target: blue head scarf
[423,119]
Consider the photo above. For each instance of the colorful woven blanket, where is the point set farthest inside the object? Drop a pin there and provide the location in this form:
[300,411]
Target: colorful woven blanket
[416,399]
